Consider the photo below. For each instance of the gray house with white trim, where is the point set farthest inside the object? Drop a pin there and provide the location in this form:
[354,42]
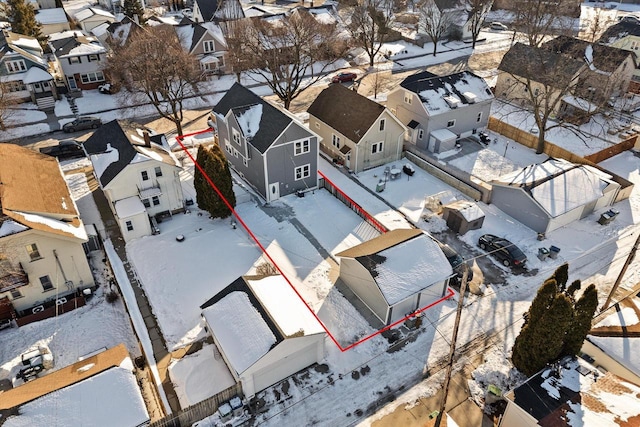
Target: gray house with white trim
[439,110]
[273,151]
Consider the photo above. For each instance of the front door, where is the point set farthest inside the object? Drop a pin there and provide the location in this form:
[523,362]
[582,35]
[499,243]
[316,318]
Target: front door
[347,162]
[274,191]
[72,83]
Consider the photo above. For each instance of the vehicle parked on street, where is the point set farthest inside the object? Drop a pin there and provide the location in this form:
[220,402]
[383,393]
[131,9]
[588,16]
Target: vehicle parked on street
[65,149]
[502,249]
[82,123]
[498,26]
[344,77]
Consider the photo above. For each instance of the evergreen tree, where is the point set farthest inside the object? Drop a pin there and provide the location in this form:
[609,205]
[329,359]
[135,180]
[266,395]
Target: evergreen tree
[215,165]
[23,19]
[131,8]
[583,313]
[562,276]
[571,290]
[542,301]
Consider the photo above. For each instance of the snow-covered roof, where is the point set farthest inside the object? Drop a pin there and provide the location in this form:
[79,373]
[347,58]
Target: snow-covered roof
[131,206]
[443,134]
[557,185]
[102,160]
[249,119]
[107,399]
[287,310]
[469,210]
[440,94]
[573,393]
[9,227]
[90,12]
[35,75]
[240,329]
[51,16]
[75,229]
[402,262]
[150,192]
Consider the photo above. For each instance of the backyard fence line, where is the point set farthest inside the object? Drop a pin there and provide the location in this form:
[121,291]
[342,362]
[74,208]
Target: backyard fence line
[327,184]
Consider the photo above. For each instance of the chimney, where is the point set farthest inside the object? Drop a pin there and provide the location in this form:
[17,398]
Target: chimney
[147,140]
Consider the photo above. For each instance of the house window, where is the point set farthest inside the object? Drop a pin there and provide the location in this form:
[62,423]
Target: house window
[158,171]
[376,147]
[227,146]
[245,162]
[33,252]
[15,294]
[236,136]
[129,225]
[382,123]
[407,98]
[46,283]
[302,147]
[74,60]
[235,152]
[94,57]
[146,203]
[336,141]
[92,77]
[209,46]
[15,86]
[420,133]
[156,200]
[451,123]
[479,117]
[15,66]
[145,175]
[302,172]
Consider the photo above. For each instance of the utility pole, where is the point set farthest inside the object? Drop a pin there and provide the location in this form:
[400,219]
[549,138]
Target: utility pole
[622,272]
[452,349]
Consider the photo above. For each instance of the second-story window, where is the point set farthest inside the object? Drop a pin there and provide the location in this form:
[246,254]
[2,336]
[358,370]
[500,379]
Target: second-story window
[16,66]
[302,147]
[94,57]
[382,123]
[75,60]
[33,252]
[145,175]
[158,171]
[209,46]
[236,136]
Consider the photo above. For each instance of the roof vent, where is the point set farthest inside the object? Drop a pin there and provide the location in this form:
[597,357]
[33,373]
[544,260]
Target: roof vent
[452,101]
[470,97]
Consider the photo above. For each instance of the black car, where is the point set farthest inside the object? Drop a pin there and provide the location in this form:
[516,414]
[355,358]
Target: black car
[82,123]
[508,253]
[66,149]
[457,263]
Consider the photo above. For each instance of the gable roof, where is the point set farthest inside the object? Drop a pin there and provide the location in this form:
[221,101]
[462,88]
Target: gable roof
[439,94]
[220,9]
[115,145]
[33,193]
[264,123]
[121,32]
[402,262]
[602,57]
[557,185]
[540,65]
[64,377]
[27,46]
[572,389]
[90,12]
[74,43]
[346,111]
[620,30]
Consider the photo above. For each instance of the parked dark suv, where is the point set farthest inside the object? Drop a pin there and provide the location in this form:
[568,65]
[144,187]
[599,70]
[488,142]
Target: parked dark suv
[66,149]
[457,263]
[508,253]
[82,123]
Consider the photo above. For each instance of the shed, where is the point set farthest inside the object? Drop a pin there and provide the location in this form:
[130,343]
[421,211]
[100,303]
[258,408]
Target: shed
[263,330]
[397,273]
[442,140]
[462,216]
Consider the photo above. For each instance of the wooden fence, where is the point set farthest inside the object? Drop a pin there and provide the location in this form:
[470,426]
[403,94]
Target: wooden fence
[199,411]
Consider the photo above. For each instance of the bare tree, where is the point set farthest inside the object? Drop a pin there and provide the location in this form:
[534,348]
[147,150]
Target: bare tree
[435,22]
[289,53]
[539,18]
[5,103]
[369,26]
[153,67]
[596,24]
[477,11]
[558,89]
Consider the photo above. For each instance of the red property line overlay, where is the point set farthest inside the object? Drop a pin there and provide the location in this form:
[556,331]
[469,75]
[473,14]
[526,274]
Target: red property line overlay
[449,294]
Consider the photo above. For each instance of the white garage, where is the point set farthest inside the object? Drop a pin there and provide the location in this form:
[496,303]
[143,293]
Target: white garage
[263,330]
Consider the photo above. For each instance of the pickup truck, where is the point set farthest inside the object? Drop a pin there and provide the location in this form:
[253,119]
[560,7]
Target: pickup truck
[66,149]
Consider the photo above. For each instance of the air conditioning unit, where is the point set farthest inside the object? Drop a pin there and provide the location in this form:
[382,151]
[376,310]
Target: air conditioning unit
[37,309]
[61,301]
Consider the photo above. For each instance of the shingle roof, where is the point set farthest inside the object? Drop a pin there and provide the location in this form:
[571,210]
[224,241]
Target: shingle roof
[272,122]
[620,30]
[346,111]
[63,46]
[126,138]
[380,243]
[540,65]
[605,58]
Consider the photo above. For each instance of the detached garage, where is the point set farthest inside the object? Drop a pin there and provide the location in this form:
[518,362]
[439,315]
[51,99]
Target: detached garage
[552,194]
[263,330]
[397,273]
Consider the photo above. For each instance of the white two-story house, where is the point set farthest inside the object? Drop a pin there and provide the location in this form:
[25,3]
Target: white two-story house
[138,174]
[79,58]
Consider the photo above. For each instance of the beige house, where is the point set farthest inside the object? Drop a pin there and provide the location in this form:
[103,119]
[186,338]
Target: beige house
[138,174]
[397,273]
[91,17]
[626,35]
[206,42]
[355,130]
[42,261]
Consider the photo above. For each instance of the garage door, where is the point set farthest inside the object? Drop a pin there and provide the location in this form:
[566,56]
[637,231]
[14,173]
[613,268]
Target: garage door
[284,368]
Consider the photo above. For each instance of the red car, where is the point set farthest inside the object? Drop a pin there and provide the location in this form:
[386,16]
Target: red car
[344,77]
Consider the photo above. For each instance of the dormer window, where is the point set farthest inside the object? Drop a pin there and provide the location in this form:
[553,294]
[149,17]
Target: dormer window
[236,136]
[16,66]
